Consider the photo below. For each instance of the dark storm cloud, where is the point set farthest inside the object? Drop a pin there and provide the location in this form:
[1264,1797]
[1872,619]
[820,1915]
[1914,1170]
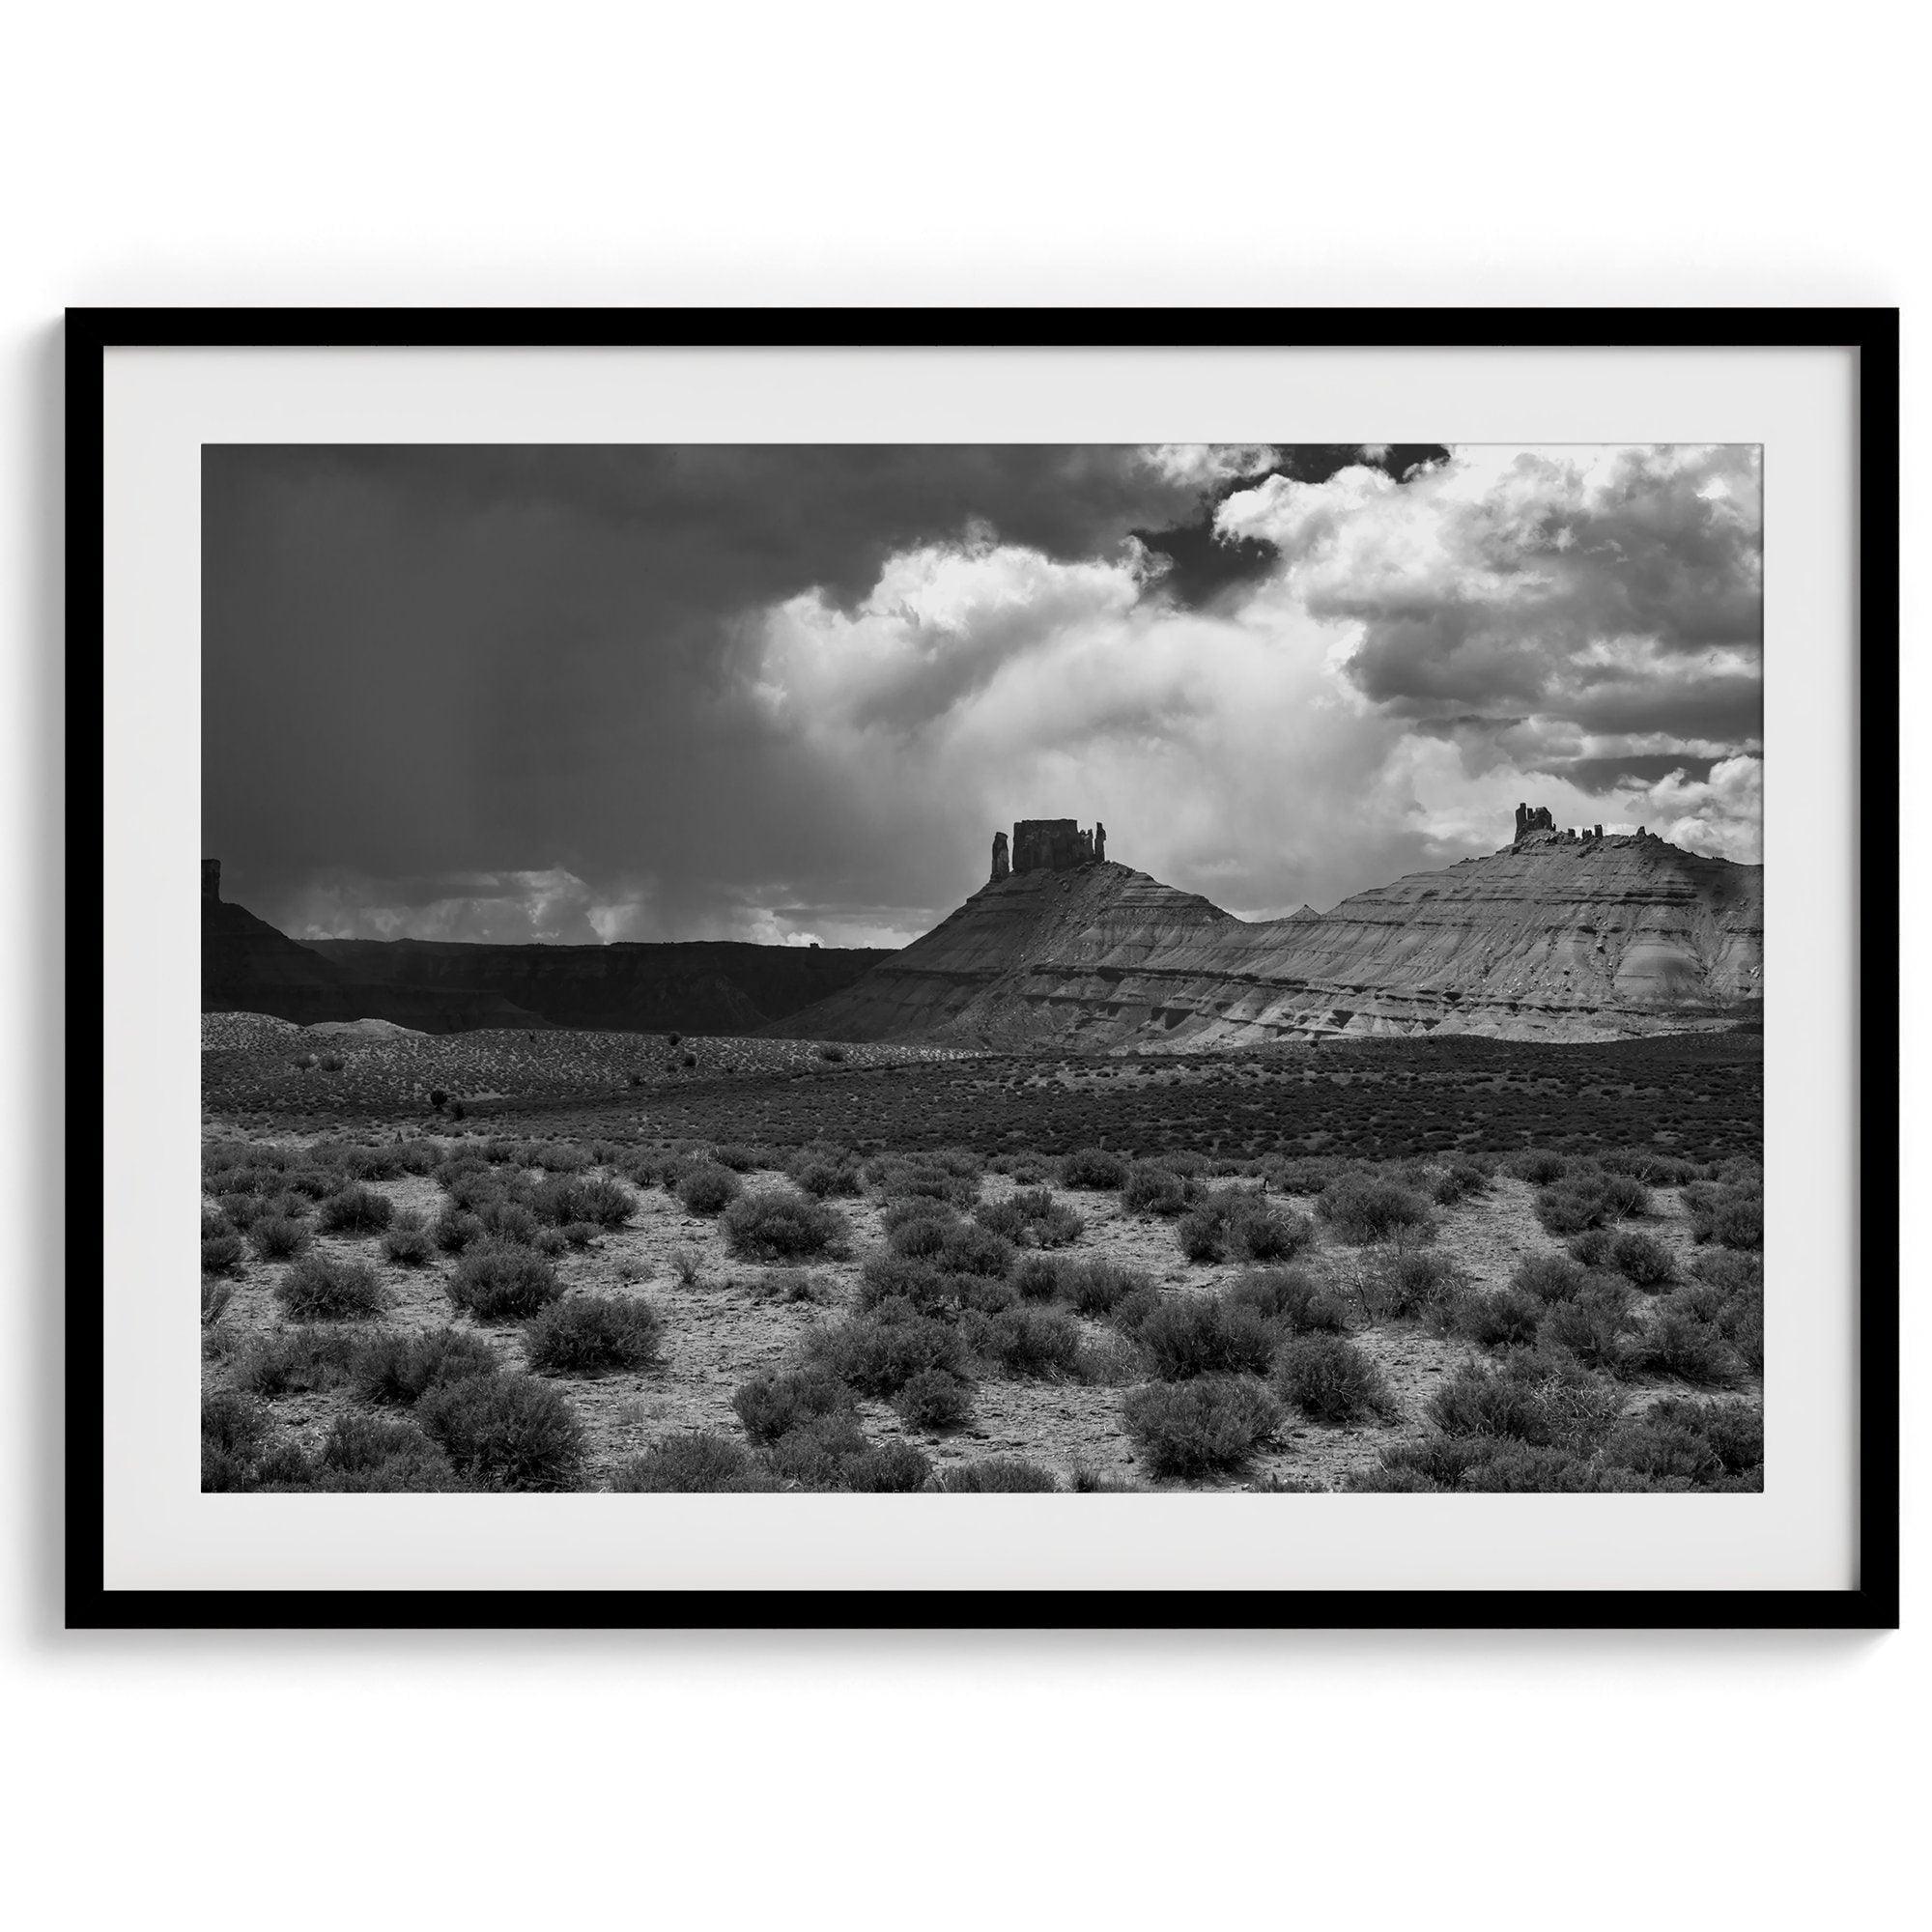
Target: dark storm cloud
[425,661]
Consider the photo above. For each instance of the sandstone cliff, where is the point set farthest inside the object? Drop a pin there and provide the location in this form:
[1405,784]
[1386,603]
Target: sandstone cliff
[721,987]
[1550,938]
[249,966]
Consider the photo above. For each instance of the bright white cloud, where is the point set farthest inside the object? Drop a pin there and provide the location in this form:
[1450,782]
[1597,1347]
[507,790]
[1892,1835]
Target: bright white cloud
[1208,465]
[1422,656]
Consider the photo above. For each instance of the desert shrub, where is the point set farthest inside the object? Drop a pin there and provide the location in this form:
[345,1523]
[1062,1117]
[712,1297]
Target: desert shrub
[1203,1233]
[1741,1322]
[1535,1398]
[1679,1345]
[1570,1207]
[1550,1278]
[824,1171]
[408,1243]
[966,1249]
[937,1176]
[740,1158]
[240,1212]
[1363,1207]
[564,1199]
[278,1238]
[1262,1233]
[500,1218]
[833,1055]
[1691,1442]
[1153,1189]
[1093,1168]
[696,1463]
[356,1211]
[215,1295]
[1594,1325]
[455,1231]
[1730,1217]
[996,1475]
[888,1469]
[1332,1382]
[1037,1277]
[1505,1318]
[1200,1427]
[1026,1341]
[316,1289]
[934,1399]
[817,1454]
[1624,1197]
[1458,1182]
[293,1361]
[781,1225]
[1085,1481]
[908,1278]
[509,1430]
[500,1281]
[233,1431]
[393,1370]
[1536,1165]
[1031,1218]
[1591,1249]
[1098,1287]
[1730,1272]
[1291,1298]
[220,1254]
[330,1062]
[1190,1335]
[1110,1361]
[1641,1259]
[707,1190]
[780,1400]
[373,1454]
[1648,1165]
[1306,1175]
[878,1354]
[1438,1462]
[789,1285]
[1520,1468]
[688,1265]
[924,1221]
[1403,1284]
[585,1333]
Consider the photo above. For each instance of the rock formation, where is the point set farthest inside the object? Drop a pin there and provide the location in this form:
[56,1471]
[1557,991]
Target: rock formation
[1553,937]
[1001,869]
[699,986]
[702,986]
[1051,845]
[1539,819]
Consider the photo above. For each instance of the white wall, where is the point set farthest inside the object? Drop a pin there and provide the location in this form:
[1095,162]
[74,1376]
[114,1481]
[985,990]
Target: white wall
[1124,154]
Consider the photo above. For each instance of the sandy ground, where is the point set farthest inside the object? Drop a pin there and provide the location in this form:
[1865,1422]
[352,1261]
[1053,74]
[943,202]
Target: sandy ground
[723,1326]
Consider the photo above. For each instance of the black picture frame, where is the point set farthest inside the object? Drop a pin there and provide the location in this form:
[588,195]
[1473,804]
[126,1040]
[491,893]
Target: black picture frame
[1873,334]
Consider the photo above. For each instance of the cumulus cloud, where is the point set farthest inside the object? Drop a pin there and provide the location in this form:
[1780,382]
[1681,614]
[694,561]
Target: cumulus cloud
[1209,465]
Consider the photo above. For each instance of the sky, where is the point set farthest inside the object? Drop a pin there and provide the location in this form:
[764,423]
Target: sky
[787,694]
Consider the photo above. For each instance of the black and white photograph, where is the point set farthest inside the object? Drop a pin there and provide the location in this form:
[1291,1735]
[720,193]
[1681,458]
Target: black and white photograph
[941,969]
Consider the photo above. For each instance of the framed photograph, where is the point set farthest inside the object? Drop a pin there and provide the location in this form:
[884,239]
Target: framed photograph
[1029,968]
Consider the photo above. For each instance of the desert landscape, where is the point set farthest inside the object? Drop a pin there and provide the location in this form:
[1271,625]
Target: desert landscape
[673,1041]
[1319,1208]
